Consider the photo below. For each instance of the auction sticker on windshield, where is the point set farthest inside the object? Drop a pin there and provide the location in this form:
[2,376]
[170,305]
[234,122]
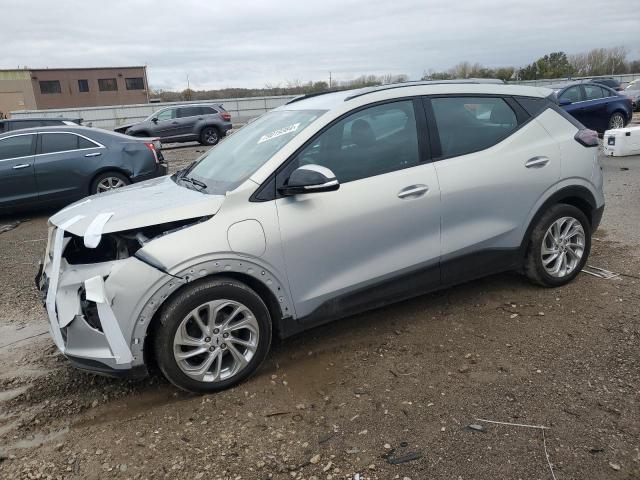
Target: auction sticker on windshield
[279,132]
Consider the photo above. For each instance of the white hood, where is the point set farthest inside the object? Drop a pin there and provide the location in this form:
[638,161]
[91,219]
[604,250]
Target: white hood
[140,205]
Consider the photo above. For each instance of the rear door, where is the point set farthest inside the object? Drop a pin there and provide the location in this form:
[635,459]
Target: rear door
[64,165]
[17,178]
[493,163]
[188,117]
[593,110]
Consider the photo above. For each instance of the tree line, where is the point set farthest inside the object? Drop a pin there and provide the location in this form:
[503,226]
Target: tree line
[599,61]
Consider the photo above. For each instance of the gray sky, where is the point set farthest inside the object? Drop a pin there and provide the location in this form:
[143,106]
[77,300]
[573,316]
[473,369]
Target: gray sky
[251,43]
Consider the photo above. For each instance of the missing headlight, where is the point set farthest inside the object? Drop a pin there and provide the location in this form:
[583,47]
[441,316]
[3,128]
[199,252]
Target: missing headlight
[120,245]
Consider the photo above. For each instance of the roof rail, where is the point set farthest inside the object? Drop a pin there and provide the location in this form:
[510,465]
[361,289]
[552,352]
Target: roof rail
[309,95]
[390,86]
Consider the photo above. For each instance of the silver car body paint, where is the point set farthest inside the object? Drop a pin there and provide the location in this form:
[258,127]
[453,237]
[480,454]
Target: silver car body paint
[308,249]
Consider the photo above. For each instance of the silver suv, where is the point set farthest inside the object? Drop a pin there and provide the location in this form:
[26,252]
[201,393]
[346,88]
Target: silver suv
[330,205]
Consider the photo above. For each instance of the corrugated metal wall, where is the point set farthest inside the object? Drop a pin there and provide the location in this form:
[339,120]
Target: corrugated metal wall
[241,110]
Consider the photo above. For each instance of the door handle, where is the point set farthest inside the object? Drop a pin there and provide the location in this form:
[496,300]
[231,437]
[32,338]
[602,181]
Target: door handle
[537,162]
[22,165]
[95,154]
[413,191]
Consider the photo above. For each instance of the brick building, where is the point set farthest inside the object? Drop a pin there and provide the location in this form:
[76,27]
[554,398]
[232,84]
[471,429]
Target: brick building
[37,89]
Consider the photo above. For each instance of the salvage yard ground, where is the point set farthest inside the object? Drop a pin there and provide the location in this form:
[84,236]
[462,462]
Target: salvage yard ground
[383,395]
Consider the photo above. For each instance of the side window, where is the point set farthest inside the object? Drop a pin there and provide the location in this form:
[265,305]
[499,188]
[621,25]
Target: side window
[188,112]
[15,147]
[208,111]
[370,142]
[167,114]
[58,142]
[470,124]
[606,92]
[572,94]
[592,92]
[84,143]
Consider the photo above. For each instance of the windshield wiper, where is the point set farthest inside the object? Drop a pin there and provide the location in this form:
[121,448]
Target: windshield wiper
[193,181]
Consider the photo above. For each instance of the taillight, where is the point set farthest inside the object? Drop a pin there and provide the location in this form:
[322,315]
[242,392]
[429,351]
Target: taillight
[225,116]
[586,137]
[152,146]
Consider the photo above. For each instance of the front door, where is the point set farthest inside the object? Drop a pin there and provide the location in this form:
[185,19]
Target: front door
[166,124]
[17,178]
[377,238]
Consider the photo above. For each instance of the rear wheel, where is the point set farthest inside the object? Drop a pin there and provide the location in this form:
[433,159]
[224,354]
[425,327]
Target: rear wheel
[108,181]
[559,246]
[212,335]
[209,136]
[617,120]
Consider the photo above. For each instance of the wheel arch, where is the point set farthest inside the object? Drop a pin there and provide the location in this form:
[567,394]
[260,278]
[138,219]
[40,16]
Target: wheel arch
[575,195]
[268,288]
[106,169]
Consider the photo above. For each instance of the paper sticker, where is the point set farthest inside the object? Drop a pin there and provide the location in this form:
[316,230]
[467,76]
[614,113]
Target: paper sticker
[279,132]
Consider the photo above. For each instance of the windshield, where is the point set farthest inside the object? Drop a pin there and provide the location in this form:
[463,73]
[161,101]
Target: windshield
[235,159]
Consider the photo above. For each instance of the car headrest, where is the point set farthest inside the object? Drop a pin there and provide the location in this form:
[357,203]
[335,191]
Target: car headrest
[362,134]
[502,114]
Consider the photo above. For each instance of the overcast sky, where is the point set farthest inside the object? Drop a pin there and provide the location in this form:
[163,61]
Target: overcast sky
[250,43]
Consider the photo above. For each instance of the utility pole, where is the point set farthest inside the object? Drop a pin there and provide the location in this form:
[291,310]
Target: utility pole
[329,80]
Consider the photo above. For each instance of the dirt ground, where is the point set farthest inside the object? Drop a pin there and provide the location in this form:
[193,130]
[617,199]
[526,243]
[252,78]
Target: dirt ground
[383,395]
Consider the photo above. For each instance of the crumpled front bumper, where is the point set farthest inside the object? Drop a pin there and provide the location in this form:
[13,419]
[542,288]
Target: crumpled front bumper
[93,308]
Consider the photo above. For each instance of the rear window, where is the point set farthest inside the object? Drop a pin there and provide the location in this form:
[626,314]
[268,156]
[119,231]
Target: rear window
[471,124]
[61,142]
[189,112]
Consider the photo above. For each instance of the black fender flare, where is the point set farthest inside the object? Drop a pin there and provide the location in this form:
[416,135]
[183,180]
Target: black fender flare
[576,195]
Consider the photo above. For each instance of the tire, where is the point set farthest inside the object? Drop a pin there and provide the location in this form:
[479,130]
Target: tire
[542,235]
[617,120]
[108,181]
[209,136]
[178,334]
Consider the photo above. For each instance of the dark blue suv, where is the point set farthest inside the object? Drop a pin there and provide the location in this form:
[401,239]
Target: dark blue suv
[595,106]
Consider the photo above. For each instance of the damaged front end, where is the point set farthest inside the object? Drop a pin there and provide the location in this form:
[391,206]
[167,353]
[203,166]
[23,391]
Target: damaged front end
[94,284]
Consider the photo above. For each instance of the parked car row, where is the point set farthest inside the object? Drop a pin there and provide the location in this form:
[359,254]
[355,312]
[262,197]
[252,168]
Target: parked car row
[54,166]
[11,124]
[596,106]
[204,123]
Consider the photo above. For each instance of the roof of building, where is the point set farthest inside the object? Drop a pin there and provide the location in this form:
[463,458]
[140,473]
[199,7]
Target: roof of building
[27,69]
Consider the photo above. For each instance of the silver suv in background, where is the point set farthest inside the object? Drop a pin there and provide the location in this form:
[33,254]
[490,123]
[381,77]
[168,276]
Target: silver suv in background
[325,207]
[204,123]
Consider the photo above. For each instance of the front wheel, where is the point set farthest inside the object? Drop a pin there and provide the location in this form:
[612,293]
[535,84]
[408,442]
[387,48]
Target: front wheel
[559,246]
[212,335]
[617,120]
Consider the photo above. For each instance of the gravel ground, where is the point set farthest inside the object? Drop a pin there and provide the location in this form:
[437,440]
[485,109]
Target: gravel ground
[383,395]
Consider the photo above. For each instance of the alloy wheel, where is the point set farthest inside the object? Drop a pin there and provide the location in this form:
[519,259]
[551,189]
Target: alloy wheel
[216,340]
[563,246]
[617,121]
[109,183]
[211,136]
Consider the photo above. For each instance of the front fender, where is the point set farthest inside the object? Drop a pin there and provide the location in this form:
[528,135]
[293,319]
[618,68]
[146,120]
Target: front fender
[187,274]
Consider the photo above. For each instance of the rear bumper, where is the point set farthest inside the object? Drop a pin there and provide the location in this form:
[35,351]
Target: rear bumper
[161,170]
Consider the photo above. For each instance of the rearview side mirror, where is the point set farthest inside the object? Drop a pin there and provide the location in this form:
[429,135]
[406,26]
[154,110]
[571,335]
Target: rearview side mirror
[564,102]
[310,179]
[154,119]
